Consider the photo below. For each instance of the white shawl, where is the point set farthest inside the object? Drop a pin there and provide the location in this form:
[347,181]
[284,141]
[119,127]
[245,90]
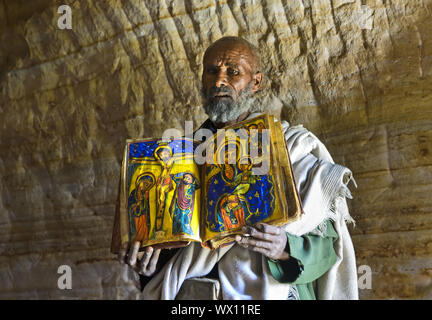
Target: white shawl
[244,274]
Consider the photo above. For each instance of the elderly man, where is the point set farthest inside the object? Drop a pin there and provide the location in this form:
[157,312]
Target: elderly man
[312,258]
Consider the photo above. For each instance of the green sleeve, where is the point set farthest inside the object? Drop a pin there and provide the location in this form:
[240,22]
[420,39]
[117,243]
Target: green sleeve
[310,257]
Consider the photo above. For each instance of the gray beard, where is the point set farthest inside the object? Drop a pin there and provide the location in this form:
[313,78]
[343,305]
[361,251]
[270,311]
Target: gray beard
[223,111]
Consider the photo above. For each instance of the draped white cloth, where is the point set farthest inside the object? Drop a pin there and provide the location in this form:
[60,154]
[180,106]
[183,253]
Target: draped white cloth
[244,274]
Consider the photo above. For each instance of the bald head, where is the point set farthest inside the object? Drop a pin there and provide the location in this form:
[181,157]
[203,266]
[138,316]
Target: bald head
[249,51]
[230,77]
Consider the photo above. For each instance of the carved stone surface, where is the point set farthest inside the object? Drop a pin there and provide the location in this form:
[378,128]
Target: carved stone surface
[356,73]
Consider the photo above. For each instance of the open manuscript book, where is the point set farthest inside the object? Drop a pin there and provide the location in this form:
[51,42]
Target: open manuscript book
[177,191]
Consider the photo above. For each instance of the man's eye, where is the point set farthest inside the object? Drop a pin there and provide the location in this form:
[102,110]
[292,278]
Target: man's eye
[233,72]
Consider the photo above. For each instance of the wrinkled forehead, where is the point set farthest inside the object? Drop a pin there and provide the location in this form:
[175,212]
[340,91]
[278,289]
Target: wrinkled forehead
[227,52]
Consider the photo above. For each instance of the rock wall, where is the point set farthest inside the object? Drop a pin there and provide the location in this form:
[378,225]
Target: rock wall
[356,73]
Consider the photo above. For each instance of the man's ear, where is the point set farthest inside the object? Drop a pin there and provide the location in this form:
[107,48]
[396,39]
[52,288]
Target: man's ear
[256,81]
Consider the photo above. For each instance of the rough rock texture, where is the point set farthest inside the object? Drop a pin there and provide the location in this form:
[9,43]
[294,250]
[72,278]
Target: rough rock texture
[356,73]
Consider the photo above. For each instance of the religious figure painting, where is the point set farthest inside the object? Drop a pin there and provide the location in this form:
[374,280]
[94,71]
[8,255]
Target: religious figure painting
[234,193]
[139,206]
[164,182]
[182,205]
[170,200]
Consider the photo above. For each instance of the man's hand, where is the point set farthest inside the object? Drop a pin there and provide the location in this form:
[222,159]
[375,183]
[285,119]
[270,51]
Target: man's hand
[266,239]
[143,263]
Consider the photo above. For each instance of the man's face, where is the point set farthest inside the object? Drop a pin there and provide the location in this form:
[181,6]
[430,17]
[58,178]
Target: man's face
[228,81]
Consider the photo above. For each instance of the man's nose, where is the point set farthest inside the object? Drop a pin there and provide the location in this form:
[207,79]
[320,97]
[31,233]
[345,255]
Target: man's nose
[221,79]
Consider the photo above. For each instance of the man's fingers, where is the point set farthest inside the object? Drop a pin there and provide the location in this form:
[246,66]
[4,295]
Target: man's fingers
[257,234]
[156,255]
[252,242]
[148,267]
[122,256]
[263,251]
[146,258]
[140,255]
[265,248]
[133,253]
[266,228]
[263,238]
[153,261]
